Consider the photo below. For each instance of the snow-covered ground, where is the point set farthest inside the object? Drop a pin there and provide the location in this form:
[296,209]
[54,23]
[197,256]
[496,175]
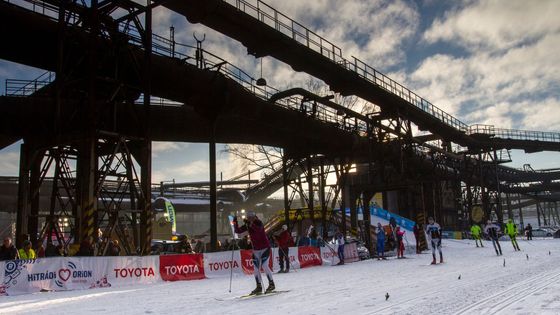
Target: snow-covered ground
[486,287]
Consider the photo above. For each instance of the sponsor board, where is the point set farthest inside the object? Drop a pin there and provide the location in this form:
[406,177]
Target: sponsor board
[309,256]
[351,253]
[329,255]
[181,267]
[292,253]
[52,274]
[126,270]
[221,264]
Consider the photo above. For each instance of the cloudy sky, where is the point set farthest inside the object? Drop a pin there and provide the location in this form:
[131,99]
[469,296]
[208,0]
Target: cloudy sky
[490,62]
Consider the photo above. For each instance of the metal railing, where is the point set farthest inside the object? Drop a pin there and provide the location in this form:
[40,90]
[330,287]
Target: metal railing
[165,47]
[15,87]
[294,30]
[513,134]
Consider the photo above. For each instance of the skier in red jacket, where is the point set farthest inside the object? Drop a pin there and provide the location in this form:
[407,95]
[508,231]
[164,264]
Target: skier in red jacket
[284,240]
[261,250]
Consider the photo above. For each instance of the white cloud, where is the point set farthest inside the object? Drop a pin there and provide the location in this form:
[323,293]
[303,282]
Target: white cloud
[9,163]
[161,147]
[496,24]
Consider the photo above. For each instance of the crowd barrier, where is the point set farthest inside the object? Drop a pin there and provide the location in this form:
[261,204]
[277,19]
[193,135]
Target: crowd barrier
[77,273]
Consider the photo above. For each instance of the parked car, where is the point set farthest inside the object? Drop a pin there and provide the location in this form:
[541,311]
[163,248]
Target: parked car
[540,232]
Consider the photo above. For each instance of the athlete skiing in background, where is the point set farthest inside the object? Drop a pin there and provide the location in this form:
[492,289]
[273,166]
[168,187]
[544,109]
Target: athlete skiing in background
[261,250]
[475,232]
[434,233]
[511,230]
[493,232]
[400,244]
[380,242]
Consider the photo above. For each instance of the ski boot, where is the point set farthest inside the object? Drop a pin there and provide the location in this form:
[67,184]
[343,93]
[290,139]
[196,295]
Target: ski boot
[257,291]
[434,260]
[271,287]
[281,271]
[441,258]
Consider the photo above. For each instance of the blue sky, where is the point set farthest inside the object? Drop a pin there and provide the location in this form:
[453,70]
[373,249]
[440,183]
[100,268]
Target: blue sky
[491,62]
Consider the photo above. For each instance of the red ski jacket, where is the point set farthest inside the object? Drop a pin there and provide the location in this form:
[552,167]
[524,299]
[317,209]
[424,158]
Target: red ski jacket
[256,232]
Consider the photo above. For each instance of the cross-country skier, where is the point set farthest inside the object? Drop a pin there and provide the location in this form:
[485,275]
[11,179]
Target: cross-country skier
[400,244]
[380,242]
[261,250]
[475,232]
[340,242]
[493,232]
[511,230]
[434,233]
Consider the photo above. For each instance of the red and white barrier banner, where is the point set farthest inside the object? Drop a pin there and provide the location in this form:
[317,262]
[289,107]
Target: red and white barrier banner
[309,256]
[329,254]
[220,264]
[293,255]
[247,261]
[351,253]
[127,270]
[53,274]
[181,267]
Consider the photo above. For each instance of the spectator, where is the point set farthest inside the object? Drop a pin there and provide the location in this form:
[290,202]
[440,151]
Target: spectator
[529,232]
[86,247]
[113,248]
[416,229]
[226,245]
[340,242]
[284,242]
[380,242]
[40,249]
[8,251]
[199,248]
[27,252]
[312,236]
[400,244]
[52,251]
[184,246]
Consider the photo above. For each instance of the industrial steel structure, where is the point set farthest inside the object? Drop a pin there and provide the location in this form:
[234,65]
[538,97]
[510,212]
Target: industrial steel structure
[89,121]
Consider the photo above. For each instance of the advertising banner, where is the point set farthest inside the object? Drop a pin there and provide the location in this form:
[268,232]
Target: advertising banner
[351,253]
[220,264]
[54,274]
[329,255]
[126,270]
[309,256]
[181,267]
[292,253]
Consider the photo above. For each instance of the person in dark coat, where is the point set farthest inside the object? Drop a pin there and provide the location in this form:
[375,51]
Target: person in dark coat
[86,247]
[8,251]
[529,232]
[416,231]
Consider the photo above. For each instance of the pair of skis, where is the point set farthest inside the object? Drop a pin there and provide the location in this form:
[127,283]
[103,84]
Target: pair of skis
[252,296]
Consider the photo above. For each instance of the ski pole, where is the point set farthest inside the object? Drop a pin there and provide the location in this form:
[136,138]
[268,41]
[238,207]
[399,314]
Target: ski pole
[286,255]
[231,267]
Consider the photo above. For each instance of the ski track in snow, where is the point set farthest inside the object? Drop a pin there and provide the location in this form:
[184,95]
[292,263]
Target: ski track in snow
[415,287]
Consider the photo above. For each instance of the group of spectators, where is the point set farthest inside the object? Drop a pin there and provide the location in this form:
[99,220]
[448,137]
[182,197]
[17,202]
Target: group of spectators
[8,250]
